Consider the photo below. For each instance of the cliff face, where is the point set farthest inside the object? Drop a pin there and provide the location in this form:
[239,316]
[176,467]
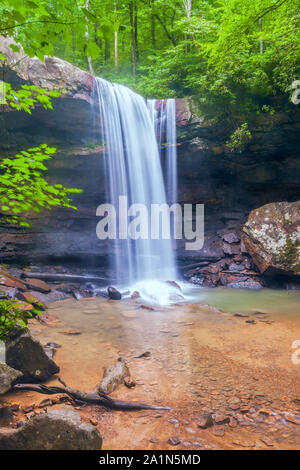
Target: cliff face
[230,185]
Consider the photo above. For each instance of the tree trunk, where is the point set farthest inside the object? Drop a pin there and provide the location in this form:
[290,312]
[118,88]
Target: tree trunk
[87,40]
[133,56]
[106,50]
[137,54]
[261,43]
[153,39]
[116,40]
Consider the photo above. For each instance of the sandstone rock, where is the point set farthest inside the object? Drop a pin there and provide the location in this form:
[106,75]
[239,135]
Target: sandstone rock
[38,285]
[30,298]
[205,421]
[8,377]
[60,429]
[113,376]
[8,280]
[220,418]
[272,237]
[27,355]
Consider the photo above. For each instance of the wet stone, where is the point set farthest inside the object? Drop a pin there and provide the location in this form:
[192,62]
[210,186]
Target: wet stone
[174,441]
[221,419]
[205,421]
[218,431]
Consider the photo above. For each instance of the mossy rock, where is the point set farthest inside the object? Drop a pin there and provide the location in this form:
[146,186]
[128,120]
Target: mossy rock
[272,237]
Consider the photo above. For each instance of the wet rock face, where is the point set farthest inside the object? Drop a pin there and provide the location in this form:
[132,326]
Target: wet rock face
[271,235]
[60,429]
[26,354]
[8,377]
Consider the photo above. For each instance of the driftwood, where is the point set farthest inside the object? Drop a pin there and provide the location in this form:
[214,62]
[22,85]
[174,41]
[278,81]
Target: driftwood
[90,398]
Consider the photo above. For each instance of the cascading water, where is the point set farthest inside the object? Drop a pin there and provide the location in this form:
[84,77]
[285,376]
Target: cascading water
[163,116]
[133,169]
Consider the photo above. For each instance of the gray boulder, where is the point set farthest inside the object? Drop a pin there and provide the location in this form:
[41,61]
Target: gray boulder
[26,354]
[271,236]
[61,429]
[8,377]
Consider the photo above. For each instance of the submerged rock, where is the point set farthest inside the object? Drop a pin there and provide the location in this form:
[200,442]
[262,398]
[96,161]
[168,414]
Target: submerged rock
[61,429]
[8,377]
[26,354]
[113,376]
[271,236]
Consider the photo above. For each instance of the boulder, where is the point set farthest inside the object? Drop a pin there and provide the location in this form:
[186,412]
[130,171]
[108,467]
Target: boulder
[8,377]
[26,354]
[271,236]
[61,429]
[113,376]
[113,293]
[38,285]
[30,298]
[7,280]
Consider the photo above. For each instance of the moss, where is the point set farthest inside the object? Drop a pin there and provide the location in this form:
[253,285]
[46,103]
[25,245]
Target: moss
[290,254]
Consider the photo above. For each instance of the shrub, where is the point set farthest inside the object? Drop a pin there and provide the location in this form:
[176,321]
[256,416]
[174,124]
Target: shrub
[10,317]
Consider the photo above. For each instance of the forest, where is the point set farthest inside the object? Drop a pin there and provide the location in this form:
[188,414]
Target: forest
[236,56]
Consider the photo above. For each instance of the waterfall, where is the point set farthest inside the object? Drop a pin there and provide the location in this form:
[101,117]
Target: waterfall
[163,116]
[133,169]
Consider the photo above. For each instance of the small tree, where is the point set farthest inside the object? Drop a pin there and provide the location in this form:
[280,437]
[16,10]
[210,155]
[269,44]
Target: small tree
[10,316]
[22,186]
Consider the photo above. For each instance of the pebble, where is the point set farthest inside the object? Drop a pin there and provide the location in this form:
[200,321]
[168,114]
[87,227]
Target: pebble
[218,431]
[174,441]
[267,441]
[244,443]
[129,382]
[94,422]
[221,419]
[153,440]
[29,408]
[205,421]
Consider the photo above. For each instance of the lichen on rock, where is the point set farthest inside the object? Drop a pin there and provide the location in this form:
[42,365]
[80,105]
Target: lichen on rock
[272,237]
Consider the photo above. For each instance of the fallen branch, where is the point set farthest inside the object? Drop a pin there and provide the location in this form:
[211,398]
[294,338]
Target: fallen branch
[90,398]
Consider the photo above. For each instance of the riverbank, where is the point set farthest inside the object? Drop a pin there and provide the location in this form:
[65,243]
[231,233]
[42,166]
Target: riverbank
[202,361]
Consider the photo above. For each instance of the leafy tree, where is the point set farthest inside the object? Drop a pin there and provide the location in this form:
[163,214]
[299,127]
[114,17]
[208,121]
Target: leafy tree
[237,56]
[23,189]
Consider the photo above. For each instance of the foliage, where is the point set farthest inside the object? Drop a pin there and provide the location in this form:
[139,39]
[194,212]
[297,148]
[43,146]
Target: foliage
[22,186]
[23,189]
[28,96]
[10,317]
[238,56]
[239,138]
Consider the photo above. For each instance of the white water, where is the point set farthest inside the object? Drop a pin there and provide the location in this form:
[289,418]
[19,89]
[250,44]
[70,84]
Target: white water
[133,169]
[163,116]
